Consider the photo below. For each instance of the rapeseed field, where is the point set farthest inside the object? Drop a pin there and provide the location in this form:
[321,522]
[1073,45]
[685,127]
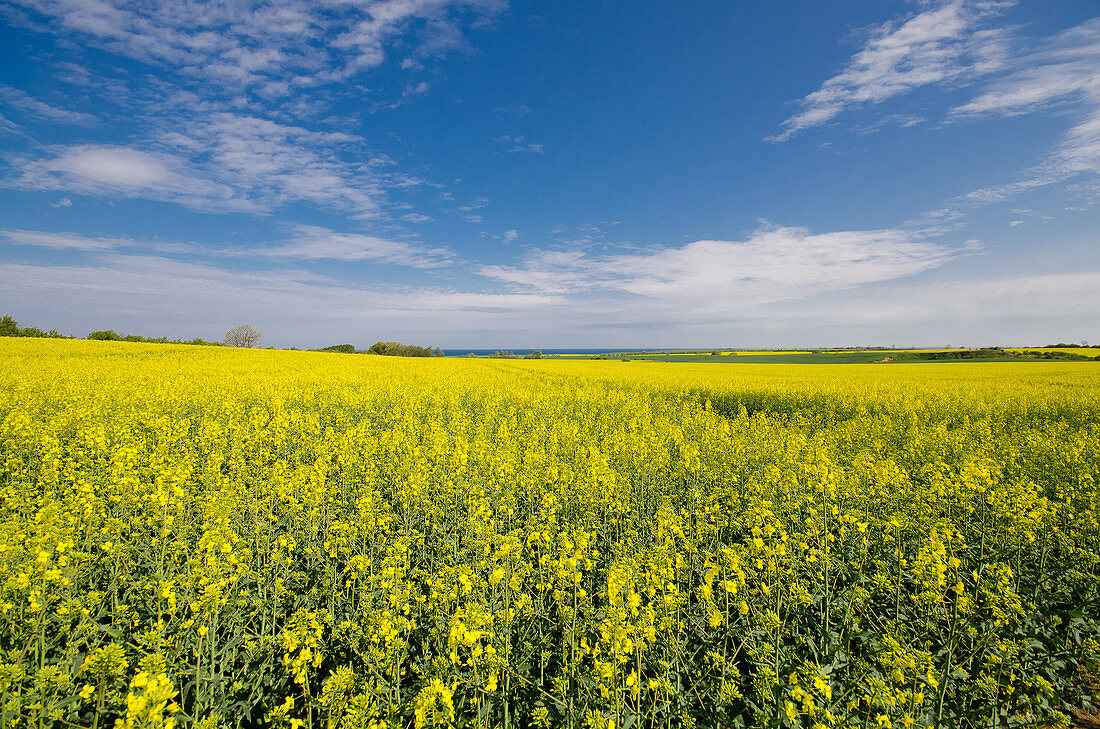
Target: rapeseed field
[201,537]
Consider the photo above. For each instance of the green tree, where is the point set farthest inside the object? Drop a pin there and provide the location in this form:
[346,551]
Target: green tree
[397,349]
[109,335]
[391,349]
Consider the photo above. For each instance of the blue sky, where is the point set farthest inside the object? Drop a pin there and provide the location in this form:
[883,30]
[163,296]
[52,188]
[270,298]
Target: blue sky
[487,173]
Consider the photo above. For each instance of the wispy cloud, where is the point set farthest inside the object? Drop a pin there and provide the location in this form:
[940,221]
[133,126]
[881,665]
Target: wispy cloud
[174,298]
[270,163]
[223,162]
[115,170]
[23,101]
[555,272]
[8,126]
[317,243]
[951,42]
[1065,68]
[475,204]
[262,43]
[469,210]
[773,264]
[946,43]
[993,297]
[67,241]
[515,110]
[1065,71]
[237,113]
[306,243]
[518,144]
[836,283]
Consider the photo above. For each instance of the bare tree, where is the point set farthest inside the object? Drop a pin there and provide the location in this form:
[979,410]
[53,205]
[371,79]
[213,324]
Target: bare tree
[243,336]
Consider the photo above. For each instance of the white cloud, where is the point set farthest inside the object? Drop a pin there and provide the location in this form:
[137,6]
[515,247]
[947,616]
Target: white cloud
[8,126]
[776,264]
[475,204]
[63,203]
[1065,71]
[308,243]
[577,300]
[1012,298]
[117,166]
[554,272]
[518,144]
[256,42]
[162,296]
[416,89]
[223,162]
[271,163]
[21,100]
[110,170]
[1065,68]
[238,74]
[317,243]
[516,109]
[946,43]
[510,236]
[70,241]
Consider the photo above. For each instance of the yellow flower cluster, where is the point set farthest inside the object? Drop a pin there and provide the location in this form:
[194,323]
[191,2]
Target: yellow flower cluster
[214,538]
[149,703]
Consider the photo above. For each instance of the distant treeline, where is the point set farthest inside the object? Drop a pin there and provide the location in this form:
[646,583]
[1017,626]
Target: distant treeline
[388,349]
[110,335]
[9,327]
[397,349]
[990,353]
[508,354]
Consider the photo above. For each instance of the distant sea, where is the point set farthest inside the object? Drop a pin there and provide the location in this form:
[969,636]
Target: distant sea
[521,352]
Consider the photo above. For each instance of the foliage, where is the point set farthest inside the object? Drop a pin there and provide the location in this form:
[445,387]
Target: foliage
[243,336]
[537,354]
[987,353]
[342,348]
[106,335]
[110,335]
[200,538]
[9,327]
[397,349]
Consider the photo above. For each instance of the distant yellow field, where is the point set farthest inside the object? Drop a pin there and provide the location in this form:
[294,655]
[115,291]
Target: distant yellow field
[1085,351]
[888,351]
[211,538]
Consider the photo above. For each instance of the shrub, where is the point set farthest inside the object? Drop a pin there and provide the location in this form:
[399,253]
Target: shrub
[107,335]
